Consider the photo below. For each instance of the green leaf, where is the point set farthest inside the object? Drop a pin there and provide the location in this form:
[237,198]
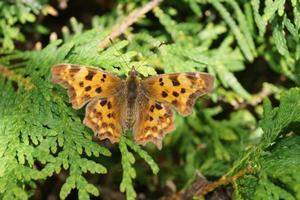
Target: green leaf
[280,41]
[281,165]
[128,171]
[267,189]
[276,120]
[227,78]
[272,7]
[261,24]
[276,159]
[240,37]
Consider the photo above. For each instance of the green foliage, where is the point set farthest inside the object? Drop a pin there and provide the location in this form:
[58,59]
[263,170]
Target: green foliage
[14,12]
[128,160]
[285,34]
[241,31]
[239,42]
[280,174]
[275,120]
[275,158]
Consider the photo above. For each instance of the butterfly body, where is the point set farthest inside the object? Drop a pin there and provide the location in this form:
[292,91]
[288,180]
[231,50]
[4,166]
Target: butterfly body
[132,91]
[142,105]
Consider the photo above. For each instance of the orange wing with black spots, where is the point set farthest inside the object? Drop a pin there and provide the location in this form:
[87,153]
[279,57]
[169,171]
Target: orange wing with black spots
[101,90]
[159,94]
[179,89]
[105,117]
[84,83]
[154,121]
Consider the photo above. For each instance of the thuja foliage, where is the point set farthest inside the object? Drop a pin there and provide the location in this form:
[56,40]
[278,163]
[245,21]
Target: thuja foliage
[19,12]
[229,131]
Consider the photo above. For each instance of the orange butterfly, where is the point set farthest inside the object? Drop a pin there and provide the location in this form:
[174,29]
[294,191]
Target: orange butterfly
[145,106]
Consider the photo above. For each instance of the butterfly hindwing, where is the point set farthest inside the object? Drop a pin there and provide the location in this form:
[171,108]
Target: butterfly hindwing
[105,117]
[179,89]
[154,120]
[84,83]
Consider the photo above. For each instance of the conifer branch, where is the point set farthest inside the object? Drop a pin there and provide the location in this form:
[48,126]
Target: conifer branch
[133,17]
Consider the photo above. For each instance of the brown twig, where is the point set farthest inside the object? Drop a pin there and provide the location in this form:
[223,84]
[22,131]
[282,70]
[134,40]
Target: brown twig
[259,97]
[222,181]
[198,184]
[256,99]
[133,17]
[201,186]
[4,71]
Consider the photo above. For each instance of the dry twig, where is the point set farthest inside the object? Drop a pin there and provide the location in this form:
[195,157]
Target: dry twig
[202,186]
[4,71]
[133,17]
[222,181]
[256,99]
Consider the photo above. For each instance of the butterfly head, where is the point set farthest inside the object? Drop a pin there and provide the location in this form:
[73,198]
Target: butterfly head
[132,73]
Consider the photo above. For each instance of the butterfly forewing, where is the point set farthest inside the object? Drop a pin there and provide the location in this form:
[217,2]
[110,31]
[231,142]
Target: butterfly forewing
[179,89]
[84,83]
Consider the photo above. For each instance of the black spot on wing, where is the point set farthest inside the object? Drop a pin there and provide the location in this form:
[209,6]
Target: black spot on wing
[174,80]
[152,108]
[87,88]
[109,105]
[175,102]
[158,106]
[175,94]
[74,70]
[111,115]
[90,75]
[98,90]
[103,102]
[164,94]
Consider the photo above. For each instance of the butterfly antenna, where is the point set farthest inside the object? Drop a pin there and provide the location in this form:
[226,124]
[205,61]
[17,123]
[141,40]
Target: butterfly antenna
[147,58]
[120,54]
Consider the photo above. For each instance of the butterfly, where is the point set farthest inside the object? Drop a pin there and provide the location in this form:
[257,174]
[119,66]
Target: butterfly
[144,106]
